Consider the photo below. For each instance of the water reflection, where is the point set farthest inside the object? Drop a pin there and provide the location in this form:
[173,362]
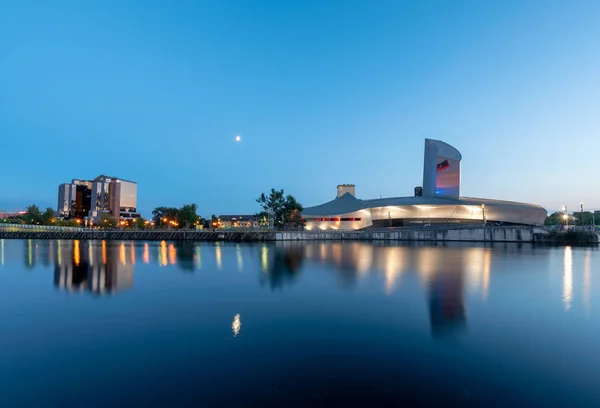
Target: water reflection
[282,266]
[443,271]
[98,269]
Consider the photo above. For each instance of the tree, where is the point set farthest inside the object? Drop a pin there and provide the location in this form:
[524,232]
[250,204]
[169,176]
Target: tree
[555,218]
[140,223]
[32,215]
[281,210]
[187,217]
[107,221]
[587,218]
[48,217]
[162,216]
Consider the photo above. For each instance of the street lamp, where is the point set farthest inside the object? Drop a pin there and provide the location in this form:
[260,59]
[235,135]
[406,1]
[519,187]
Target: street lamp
[566,216]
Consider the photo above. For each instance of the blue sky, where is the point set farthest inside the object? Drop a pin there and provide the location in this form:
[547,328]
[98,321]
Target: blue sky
[321,92]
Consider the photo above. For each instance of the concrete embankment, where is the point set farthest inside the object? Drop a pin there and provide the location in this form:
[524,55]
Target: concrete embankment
[467,234]
[568,238]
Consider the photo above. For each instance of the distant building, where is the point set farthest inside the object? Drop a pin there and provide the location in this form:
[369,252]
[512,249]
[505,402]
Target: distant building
[237,221]
[89,199]
[437,201]
[74,199]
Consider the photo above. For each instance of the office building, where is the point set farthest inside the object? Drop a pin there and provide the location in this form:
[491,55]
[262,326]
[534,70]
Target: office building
[89,199]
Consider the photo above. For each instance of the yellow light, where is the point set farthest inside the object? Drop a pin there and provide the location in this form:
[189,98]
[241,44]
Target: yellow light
[122,254]
[172,254]
[163,253]
[565,216]
[77,253]
[164,220]
[236,325]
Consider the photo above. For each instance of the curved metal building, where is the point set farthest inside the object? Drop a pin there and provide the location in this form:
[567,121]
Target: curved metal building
[438,202]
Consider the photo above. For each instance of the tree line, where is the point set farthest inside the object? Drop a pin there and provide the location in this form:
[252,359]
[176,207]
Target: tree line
[575,218]
[279,210]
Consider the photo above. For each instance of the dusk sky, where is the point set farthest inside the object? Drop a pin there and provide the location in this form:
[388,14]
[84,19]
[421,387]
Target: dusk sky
[321,93]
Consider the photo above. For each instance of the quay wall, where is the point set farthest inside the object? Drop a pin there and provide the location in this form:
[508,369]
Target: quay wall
[472,234]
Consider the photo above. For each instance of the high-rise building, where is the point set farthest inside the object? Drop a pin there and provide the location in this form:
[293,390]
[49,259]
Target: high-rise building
[102,195]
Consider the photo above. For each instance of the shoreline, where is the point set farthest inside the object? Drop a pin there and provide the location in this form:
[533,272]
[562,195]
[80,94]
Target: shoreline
[519,234]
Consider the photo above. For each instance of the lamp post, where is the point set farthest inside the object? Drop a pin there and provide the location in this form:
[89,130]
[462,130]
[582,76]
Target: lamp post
[483,212]
[566,216]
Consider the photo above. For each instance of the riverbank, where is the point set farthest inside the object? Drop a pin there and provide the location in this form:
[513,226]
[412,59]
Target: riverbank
[522,234]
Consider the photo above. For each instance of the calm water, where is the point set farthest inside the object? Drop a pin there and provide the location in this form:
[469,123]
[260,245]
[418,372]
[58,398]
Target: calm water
[91,323]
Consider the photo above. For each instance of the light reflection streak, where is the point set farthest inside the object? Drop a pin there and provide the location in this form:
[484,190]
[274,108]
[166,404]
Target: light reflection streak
[240,262]
[162,255]
[485,284]
[264,258]
[122,256]
[393,268]
[1,252]
[198,257]
[104,252]
[567,294]
[172,254]
[236,325]
[218,256]
[91,252]
[132,248]
[77,252]
[58,253]
[30,253]
[146,254]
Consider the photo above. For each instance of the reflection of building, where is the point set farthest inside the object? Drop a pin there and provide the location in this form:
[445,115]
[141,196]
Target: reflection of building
[446,301]
[437,201]
[97,267]
[110,195]
[443,270]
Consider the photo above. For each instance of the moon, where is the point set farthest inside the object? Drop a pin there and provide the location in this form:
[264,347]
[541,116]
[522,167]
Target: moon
[238,138]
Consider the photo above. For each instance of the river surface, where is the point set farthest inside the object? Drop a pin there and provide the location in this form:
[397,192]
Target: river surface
[93,323]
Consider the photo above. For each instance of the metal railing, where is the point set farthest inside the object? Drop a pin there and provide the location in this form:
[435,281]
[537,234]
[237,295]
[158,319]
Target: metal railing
[30,227]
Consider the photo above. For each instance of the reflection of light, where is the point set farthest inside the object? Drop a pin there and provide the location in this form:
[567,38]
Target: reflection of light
[586,280]
[198,257]
[236,325]
[91,252]
[218,256]
[122,254]
[58,253]
[365,258]
[172,254]
[393,268]
[146,254]
[323,250]
[132,247]
[336,249]
[428,262]
[477,265]
[239,258]
[104,252]
[162,255]
[76,252]
[568,278]
[485,284]
[29,252]
[1,252]
[264,258]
